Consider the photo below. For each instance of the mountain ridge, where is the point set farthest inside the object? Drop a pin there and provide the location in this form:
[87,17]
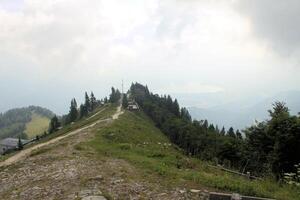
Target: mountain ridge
[156,151]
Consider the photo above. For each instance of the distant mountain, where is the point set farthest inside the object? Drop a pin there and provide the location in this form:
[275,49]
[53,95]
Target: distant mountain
[24,122]
[243,113]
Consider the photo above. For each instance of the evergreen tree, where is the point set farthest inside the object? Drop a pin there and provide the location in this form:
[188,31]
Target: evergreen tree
[93,101]
[117,95]
[184,114]
[284,132]
[274,143]
[20,144]
[105,100]
[217,129]
[175,108]
[125,101]
[223,131]
[54,124]
[169,103]
[73,113]
[87,103]
[112,97]
[231,133]
[279,108]
[211,128]
[205,124]
[83,112]
[238,134]
[147,91]
[231,150]
[258,147]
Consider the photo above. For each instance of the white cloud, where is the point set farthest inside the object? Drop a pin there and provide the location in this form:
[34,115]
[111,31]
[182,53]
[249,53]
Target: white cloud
[190,88]
[276,23]
[203,45]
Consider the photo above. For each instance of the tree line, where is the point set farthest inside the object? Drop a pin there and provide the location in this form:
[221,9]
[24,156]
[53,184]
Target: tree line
[267,148]
[12,122]
[75,112]
[78,112]
[114,96]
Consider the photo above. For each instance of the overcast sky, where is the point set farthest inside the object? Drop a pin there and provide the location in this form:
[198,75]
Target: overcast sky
[53,50]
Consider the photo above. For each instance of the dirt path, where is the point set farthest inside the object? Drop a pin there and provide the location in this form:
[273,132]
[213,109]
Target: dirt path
[100,111]
[26,152]
[118,113]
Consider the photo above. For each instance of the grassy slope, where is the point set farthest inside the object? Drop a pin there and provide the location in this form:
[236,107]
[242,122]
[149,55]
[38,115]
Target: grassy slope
[134,138]
[106,110]
[37,125]
[32,119]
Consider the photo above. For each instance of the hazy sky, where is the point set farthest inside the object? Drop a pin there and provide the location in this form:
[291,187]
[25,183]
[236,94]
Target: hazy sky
[53,50]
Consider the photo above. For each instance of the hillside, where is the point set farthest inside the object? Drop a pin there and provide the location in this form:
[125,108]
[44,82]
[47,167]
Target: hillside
[135,138]
[25,122]
[125,158]
[37,125]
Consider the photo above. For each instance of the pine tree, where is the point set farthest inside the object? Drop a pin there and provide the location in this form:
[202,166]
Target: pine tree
[93,101]
[279,108]
[83,112]
[112,97]
[117,95]
[87,103]
[169,102]
[211,128]
[20,144]
[73,113]
[217,129]
[175,108]
[147,91]
[54,124]
[105,100]
[223,131]
[184,114]
[205,124]
[125,101]
[284,133]
[231,133]
[238,134]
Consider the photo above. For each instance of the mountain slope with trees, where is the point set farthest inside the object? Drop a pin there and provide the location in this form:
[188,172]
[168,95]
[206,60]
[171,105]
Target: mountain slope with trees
[270,148]
[16,122]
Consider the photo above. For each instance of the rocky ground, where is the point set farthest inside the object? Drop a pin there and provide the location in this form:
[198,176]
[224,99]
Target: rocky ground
[63,171]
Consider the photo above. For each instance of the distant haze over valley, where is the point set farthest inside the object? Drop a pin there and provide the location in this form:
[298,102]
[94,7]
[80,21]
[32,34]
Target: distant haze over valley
[218,109]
